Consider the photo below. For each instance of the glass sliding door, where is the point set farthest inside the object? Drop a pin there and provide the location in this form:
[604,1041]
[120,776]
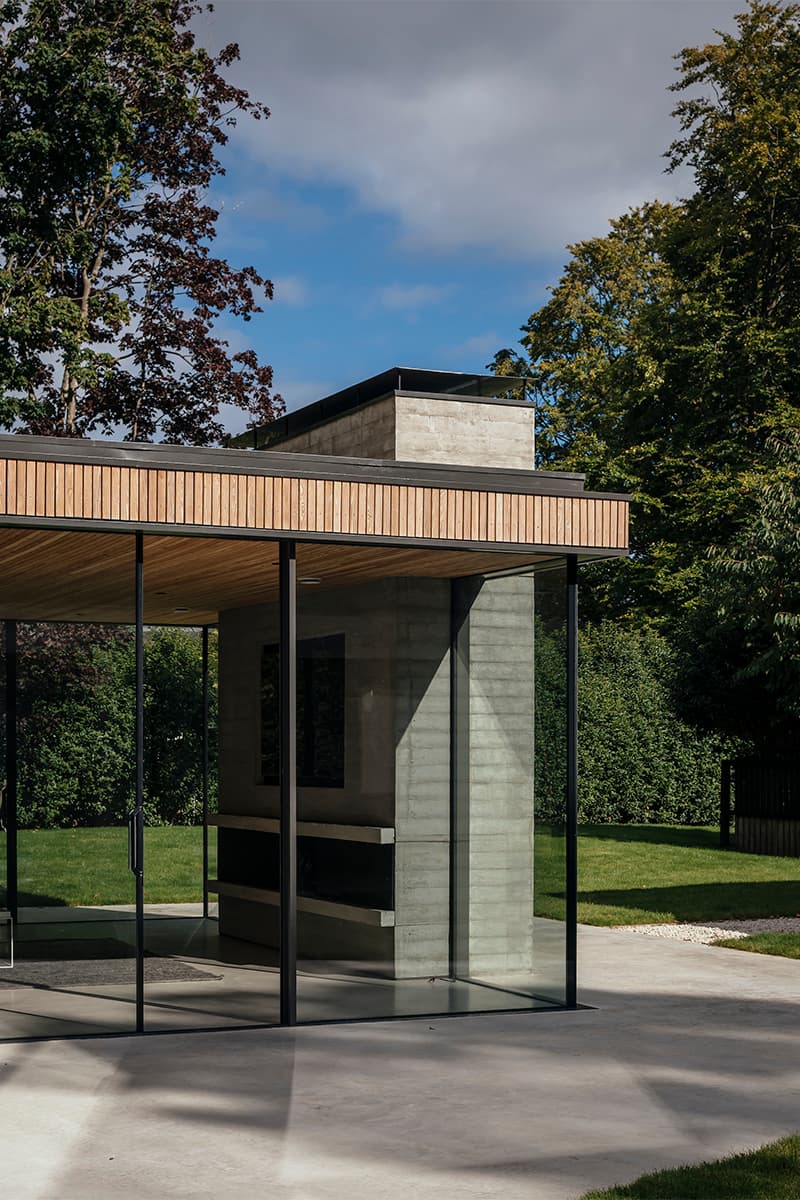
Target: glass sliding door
[509,787]
[420,702]
[213,965]
[75,936]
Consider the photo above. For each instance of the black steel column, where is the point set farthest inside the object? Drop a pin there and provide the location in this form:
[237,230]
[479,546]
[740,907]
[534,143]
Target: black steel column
[462,594]
[205,770]
[138,829]
[725,805]
[288,778]
[572,781]
[12,881]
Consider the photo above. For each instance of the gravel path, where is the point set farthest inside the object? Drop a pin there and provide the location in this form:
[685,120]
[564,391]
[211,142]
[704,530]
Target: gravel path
[686,932]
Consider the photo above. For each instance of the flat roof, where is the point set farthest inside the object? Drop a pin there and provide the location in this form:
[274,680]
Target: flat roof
[364,516]
[291,465]
[455,384]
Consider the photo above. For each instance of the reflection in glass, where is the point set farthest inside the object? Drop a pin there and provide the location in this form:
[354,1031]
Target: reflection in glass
[434,881]
[320,712]
[74,969]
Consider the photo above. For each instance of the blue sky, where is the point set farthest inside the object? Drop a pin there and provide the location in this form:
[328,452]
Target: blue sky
[427,161]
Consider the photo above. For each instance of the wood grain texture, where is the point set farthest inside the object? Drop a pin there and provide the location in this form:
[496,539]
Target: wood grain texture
[61,575]
[261,502]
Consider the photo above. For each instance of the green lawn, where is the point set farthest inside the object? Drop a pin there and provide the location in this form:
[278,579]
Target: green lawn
[636,874]
[771,1173]
[787,945]
[627,873]
[90,866]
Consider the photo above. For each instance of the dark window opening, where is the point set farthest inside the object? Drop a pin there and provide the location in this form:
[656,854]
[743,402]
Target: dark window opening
[320,712]
[358,873]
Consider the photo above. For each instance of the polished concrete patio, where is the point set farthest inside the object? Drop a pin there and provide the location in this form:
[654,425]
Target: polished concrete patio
[691,1052]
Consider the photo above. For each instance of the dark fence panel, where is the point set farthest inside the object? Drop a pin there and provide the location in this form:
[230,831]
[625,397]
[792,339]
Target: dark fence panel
[767,806]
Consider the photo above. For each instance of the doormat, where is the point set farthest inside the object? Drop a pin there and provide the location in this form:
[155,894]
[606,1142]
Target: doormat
[92,962]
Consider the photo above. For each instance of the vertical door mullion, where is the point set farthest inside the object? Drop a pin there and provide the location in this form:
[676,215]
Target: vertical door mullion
[205,770]
[139,792]
[12,881]
[572,782]
[287,693]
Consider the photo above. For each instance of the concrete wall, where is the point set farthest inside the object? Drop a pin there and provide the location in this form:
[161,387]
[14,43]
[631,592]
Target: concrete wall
[396,760]
[422,776]
[397,767]
[495,764]
[433,429]
[368,432]
[463,432]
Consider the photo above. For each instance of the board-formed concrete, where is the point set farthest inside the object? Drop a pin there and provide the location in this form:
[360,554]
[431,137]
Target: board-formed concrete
[396,762]
[691,1053]
[418,428]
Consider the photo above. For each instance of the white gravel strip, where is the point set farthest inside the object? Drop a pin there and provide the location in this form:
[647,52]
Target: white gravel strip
[686,932]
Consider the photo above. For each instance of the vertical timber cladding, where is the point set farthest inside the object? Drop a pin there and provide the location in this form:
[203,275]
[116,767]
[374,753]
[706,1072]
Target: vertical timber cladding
[223,500]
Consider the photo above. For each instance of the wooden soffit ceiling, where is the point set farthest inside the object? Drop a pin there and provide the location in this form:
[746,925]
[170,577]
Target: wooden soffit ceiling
[71,575]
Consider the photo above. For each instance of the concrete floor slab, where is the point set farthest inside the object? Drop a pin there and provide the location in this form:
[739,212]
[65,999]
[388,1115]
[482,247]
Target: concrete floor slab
[691,1052]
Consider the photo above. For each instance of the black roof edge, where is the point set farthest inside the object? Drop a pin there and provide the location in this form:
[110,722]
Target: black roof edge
[457,384]
[293,466]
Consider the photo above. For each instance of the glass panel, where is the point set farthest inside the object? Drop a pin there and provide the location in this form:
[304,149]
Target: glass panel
[215,970]
[405,907]
[74,970]
[509,796]
[4,846]
[550,784]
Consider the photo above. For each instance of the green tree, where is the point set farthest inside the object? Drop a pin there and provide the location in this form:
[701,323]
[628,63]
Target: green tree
[669,351]
[740,641]
[76,704]
[173,725]
[110,123]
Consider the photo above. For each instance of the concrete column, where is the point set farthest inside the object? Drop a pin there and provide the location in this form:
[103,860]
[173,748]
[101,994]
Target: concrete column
[495,780]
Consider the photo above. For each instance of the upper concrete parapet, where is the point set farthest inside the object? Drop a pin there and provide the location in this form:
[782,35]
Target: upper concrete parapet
[408,415]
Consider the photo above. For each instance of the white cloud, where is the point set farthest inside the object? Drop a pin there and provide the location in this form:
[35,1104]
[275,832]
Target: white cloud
[413,296]
[514,125]
[290,289]
[481,345]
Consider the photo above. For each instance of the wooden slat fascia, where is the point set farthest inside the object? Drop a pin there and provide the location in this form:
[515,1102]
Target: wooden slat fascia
[273,503]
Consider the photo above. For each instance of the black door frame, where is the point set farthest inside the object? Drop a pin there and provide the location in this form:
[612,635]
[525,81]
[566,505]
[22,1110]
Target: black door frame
[288,775]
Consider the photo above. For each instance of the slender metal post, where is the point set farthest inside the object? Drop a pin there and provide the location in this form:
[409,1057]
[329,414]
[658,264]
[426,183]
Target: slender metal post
[138,831]
[572,783]
[288,778]
[12,880]
[725,805]
[462,594]
[205,770]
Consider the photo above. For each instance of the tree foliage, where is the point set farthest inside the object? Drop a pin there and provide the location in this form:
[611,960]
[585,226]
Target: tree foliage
[638,760]
[740,642]
[111,119]
[76,730]
[669,351]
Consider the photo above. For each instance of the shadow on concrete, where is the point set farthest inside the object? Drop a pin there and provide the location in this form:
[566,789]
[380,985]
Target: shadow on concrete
[514,1106]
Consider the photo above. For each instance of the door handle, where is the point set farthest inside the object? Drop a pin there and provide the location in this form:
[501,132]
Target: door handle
[133,858]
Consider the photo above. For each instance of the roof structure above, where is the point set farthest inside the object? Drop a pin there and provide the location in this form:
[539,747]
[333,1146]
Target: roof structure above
[401,380]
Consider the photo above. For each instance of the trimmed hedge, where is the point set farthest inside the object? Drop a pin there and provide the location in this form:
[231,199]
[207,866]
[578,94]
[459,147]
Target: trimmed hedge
[638,761]
[76,739]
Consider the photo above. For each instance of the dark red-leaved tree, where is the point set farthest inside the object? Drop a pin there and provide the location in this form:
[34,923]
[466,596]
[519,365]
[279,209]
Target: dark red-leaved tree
[111,120]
